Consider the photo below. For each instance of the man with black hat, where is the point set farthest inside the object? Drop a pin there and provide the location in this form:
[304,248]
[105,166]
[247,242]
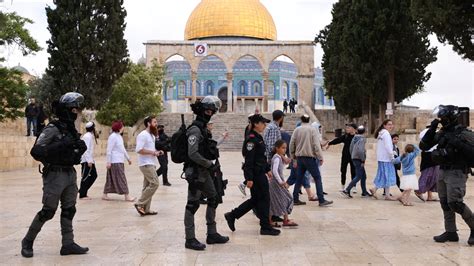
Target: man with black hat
[256,173]
[58,148]
[455,155]
[346,154]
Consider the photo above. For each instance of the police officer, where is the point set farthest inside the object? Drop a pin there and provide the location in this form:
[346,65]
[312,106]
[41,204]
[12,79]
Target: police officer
[256,173]
[59,148]
[452,154]
[202,153]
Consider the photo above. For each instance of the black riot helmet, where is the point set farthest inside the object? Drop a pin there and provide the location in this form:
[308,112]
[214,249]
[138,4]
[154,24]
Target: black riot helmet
[64,108]
[200,107]
[448,114]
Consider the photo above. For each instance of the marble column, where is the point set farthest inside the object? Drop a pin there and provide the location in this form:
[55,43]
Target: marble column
[266,85]
[305,89]
[230,99]
[194,85]
[256,106]
[242,107]
[186,105]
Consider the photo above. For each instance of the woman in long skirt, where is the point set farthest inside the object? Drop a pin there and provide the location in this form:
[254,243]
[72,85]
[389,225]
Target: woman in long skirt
[385,177]
[116,181]
[429,174]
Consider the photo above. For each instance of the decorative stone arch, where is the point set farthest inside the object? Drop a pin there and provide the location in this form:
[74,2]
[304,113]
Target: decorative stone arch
[226,63]
[259,60]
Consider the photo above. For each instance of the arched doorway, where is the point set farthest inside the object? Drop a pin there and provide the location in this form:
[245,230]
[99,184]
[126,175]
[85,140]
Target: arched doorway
[222,94]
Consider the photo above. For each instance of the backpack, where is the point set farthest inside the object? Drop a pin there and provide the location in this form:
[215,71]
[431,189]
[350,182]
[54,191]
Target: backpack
[467,136]
[179,144]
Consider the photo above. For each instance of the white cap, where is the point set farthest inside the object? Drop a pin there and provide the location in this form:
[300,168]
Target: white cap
[90,124]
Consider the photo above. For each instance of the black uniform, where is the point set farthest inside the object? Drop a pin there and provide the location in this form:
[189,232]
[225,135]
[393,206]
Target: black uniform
[162,144]
[255,169]
[346,155]
[452,155]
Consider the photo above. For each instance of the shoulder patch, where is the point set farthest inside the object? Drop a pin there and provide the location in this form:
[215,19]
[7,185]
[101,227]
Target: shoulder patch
[192,140]
[252,135]
[250,146]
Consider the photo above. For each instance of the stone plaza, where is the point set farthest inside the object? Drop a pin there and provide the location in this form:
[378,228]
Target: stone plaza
[352,231]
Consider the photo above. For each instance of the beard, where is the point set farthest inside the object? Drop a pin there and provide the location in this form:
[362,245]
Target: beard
[154,130]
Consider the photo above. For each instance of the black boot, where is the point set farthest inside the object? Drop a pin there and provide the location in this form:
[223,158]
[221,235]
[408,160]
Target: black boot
[26,248]
[269,231]
[470,241]
[194,244]
[216,239]
[447,236]
[230,221]
[73,249]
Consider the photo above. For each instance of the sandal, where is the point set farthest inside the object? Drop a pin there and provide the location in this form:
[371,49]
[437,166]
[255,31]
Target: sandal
[313,199]
[289,223]
[420,196]
[140,210]
[151,213]
[372,191]
[432,200]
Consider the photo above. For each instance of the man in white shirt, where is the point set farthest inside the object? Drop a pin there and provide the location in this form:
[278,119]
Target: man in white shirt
[147,162]
[89,172]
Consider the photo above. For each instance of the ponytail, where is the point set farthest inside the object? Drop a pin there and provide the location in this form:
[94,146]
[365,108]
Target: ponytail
[385,122]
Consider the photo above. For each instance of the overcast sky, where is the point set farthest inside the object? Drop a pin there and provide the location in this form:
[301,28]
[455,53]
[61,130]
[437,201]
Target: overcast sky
[451,81]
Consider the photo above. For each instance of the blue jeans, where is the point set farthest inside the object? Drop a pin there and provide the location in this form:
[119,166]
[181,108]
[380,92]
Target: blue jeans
[311,165]
[31,121]
[360,175]
[292,180]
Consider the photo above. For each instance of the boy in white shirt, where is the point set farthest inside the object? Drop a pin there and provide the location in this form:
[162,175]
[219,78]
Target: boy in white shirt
[147,162]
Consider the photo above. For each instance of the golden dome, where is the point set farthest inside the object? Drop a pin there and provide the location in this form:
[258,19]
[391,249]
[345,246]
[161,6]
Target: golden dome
[230,18]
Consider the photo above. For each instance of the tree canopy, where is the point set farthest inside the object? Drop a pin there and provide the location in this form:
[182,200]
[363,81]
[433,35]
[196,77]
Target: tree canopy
[135,95]
[374,53]
[12,88]
[87,49]
[451,20]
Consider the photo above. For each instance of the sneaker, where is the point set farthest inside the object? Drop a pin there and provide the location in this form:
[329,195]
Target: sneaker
[73,249]
[325,203]
[26,248]
[242,187]
[346,194]
[276,219]
[216,239]
[269,231]
[354,191]
[470,241]
[230,221]
[194,244]
[447,236]
[366,195]
[299,202]
[342,187]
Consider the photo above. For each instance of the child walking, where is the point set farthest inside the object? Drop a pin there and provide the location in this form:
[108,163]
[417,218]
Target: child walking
[409,181]
[281,201]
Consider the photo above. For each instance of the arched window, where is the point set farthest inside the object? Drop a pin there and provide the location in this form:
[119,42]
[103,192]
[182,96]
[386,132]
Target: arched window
[181,89]
[271,89]
[294,91]
[321,95]
[284,90]
[256,88]
[242,87]
[169,89]
[209,88]
[198,88]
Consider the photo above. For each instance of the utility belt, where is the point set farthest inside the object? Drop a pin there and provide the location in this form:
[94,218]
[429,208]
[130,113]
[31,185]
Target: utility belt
[59,168]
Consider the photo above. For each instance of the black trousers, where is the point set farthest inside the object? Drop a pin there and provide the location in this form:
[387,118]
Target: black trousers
[259,199]
[344,162]
[89,175]
[163,170]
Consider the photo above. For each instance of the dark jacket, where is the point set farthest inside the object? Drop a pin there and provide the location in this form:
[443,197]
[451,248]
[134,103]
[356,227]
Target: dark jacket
[253,151]
[31,111]
[162,143]
[346,139]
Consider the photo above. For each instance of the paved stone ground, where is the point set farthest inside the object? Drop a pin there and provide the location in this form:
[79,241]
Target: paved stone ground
[353,231]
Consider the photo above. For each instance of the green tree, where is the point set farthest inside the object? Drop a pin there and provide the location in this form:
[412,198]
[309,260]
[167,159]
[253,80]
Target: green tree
[87,50]
[135,95]
[12,88]
[451,20]
[374,53]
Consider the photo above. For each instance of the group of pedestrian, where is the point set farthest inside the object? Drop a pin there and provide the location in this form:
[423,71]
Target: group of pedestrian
[292,103]
[35,118]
